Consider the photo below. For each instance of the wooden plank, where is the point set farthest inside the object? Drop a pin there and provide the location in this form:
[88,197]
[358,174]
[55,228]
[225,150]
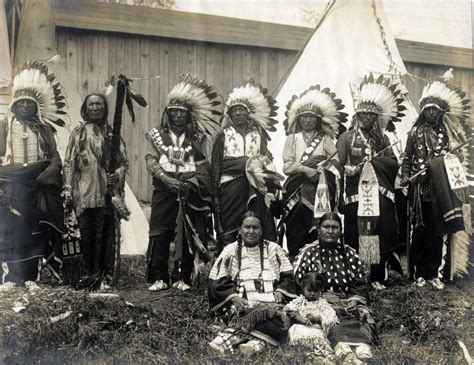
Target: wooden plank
[247,64]
[201,55]
[264,67]
[434,54]
[207,28]
[227,70]
[61,46]
[272,70]
[282,65]
[189,58]
[255,64]
[133,69]
[82,87]
[112,54]
[174,67]
[92,48]
[72,58]
[165,80]
[237,66]
[143,122]
[210,69]
[102,67]
[182,25]
[219,71]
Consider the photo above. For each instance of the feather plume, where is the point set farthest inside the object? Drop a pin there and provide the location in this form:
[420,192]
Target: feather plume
[456,109]
[322,103]
[203,101]
[33,81]
[262,174]
[383,97]
[260,105]
[451,99]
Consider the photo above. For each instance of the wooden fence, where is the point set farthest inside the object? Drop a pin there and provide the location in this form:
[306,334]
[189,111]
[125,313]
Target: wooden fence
[94,48]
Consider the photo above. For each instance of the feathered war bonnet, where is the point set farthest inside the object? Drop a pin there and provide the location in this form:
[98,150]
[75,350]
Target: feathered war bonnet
[33,81]
[383,97]
[321,103]
[202,101]
[260,105]
[441,94]
[454,106]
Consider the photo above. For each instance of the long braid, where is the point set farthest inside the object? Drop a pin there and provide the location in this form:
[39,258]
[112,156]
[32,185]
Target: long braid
[261,245]
[239,252]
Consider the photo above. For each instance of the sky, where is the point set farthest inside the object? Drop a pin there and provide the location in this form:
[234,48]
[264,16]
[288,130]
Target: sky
[445,22]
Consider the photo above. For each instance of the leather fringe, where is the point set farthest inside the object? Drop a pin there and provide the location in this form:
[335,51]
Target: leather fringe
[369,249]
[466,213]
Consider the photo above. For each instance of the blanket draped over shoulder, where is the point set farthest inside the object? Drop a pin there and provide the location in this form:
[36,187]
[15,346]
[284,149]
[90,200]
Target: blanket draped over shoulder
[28,211]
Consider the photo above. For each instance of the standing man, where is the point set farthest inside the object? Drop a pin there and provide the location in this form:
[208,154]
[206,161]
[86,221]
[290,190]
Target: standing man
[370,171]
[310,159]
[438,190]
[88,186]
[31,212]
[182,197]
[249,114]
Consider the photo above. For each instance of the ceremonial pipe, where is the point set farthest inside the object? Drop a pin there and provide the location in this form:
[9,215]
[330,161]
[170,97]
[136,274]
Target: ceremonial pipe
[450,151]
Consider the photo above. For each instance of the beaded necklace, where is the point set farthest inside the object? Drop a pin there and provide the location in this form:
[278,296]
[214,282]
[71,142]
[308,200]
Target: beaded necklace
[312,146]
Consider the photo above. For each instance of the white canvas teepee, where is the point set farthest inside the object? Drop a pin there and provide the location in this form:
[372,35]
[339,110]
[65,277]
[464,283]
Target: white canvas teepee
[352,39]
[5,63]
[134,231]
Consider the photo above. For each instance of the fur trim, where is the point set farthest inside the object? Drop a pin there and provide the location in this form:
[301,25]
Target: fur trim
[369,249]
[460,242]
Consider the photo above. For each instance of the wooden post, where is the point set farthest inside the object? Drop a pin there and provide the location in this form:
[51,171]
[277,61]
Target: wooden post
[36,35]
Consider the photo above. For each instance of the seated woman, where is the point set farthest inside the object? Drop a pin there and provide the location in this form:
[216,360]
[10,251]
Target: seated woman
[343,284]
[248,284]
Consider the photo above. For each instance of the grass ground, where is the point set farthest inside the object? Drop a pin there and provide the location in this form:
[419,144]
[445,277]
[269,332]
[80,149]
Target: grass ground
[172,327]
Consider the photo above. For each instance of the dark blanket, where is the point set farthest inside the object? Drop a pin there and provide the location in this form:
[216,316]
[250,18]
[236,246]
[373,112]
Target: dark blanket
[28,211]
[165,203]
[236,197]
[447,207]
[386,170]
[308,188]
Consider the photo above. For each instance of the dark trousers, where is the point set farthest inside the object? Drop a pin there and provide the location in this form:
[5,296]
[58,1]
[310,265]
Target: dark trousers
[426,250]
[388,260]
[298,222]
[158,260]
[91,224]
